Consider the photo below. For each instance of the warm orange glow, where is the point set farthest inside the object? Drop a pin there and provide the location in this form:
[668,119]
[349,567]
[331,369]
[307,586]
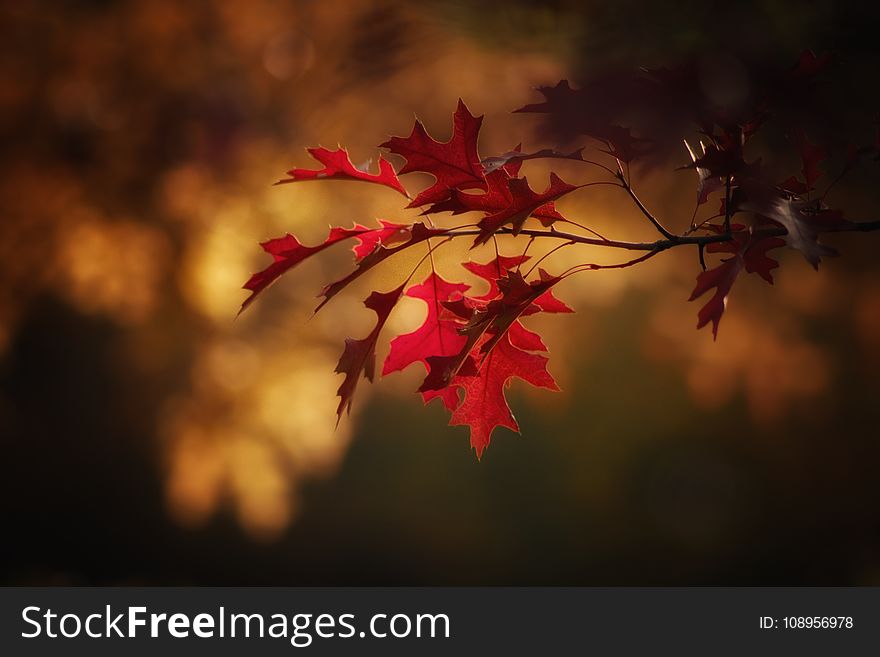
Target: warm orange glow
[250,413]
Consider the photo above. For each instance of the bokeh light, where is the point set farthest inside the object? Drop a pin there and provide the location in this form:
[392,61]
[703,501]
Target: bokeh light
[143,139]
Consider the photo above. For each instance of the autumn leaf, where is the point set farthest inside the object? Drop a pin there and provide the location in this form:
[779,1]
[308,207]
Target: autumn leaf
[752,250]
[721,162]
[812,155]
[493,314]
[707,183]
[518,298]
[484,406]
[802,233]
[557,99]
[388,235]
[437,336]
[499,267]
[419,233]
[572,107]
[795,186]
[497,198]
[721,278]
[338,165]
[359,356]
[287,252]
[749,253]
[621,143]
[523,202]
[454,164]
[808,65]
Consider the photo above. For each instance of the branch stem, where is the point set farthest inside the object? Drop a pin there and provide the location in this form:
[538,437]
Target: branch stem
[624,182]
[664,244]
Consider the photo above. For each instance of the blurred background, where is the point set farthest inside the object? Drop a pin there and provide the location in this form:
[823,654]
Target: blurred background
[148,438]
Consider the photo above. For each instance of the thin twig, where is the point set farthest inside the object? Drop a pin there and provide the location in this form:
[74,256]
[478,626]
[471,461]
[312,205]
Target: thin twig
[525,253]
[727,205]
[594,267]
[545,256]
[641,206]
[582,227]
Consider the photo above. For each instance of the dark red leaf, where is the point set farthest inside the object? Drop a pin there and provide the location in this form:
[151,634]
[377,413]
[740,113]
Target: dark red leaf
[419,233]
[494,346]
[437,336]
[454,164]
[338,165]
[496,198]
[721,278]
[749,252]
[389,234]
[484,406]
[499,267]
[287,252]
[802,231]
[523,203]
[812,156]
[808,65]
[707,183]
[752,249]
[488,322]
[557,99]
[359,356]
[795,186]
[571,107]
[721,162]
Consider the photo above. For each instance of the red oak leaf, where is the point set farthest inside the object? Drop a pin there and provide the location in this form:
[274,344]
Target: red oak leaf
[721,278]
[524,202]
[572,108]
[799,221]
[487,322]
[557,99]
[478,359]
[390,233]
[359,356]
[812,156]
[723,161]
[484,406]
[707,182]
[498,268]
[548,303]
[518,298]
[523,338]
[419,233]
[287,253]
[803,220]
[752,249]
[622,144]
[497,197]
[437,336]
[808,65]
[337,164]
[749,252]
[795,186]
[454,164]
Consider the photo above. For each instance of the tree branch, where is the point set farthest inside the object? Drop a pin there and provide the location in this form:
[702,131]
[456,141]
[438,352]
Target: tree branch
[664,244]
[641,206]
